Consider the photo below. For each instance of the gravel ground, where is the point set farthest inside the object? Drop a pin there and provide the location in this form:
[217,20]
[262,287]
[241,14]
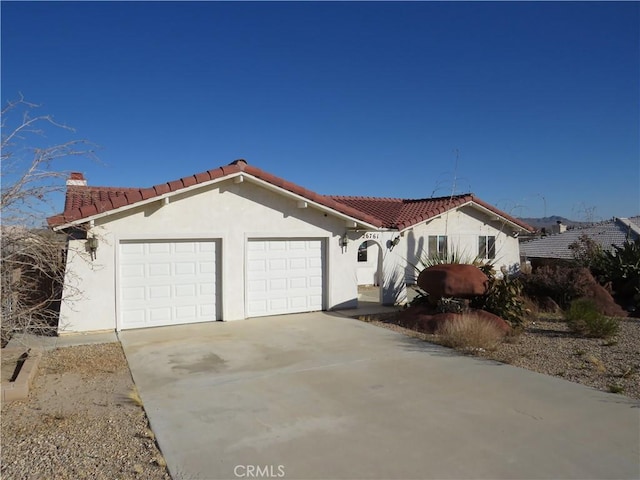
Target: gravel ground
[79,421]
[547,346]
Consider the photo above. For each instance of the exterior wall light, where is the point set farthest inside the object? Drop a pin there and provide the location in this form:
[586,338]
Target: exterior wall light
[394,242]
[344,241]
[92,246]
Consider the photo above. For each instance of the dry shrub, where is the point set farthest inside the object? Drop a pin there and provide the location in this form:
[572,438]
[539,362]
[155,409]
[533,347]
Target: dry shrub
[470,333]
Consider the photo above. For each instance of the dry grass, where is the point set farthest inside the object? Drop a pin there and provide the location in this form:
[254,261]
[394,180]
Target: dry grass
[134,396]
[471,334]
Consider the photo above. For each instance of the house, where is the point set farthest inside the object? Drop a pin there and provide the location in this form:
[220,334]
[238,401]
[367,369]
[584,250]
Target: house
[237,242]
[556,246]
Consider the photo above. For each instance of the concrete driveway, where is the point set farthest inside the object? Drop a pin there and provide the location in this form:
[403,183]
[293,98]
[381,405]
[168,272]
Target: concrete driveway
[320,396]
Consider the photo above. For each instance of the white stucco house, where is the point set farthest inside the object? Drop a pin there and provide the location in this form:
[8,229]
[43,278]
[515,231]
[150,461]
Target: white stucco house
[237,242]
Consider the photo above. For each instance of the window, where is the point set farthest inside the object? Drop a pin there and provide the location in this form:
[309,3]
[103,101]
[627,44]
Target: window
[437,246]
[487,247]
[362,252]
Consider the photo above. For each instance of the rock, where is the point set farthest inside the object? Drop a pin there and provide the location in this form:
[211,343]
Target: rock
[423,319]
[453,280]
[604,301]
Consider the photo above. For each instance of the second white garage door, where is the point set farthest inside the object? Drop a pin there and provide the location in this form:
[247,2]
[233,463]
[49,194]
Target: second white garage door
[284,276]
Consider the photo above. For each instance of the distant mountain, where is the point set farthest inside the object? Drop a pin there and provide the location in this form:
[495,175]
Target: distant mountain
[548,222]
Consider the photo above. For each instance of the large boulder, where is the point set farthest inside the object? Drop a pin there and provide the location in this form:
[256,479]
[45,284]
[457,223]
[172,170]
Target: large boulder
[453,280]
[423,319]
[602,298]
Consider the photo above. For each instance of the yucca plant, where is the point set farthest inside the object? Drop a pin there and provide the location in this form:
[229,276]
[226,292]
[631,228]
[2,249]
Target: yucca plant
[454,256]
[504,299]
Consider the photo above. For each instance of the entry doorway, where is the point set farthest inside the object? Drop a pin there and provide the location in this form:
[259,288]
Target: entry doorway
[369,270]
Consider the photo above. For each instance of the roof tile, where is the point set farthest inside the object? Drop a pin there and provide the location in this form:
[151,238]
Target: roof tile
[147,193]
[189,181]
[162,188]
[175,185]
[202,177]
[215,173]
[133,197]
[118,202]
[88,210]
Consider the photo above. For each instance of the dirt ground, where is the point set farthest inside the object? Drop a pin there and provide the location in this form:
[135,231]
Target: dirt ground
[80,422]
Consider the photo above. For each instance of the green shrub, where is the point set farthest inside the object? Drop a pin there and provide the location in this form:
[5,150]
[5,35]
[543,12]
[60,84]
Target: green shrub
[584,318]
[504,298]
[622,269]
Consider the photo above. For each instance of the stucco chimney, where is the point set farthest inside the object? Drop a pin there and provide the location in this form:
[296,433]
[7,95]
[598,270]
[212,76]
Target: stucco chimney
[559,227]
[76,179]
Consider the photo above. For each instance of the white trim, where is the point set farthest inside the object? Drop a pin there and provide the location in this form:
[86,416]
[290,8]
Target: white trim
[77,183]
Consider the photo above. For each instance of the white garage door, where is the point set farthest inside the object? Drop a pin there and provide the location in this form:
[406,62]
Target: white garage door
[284,276]
[167,283]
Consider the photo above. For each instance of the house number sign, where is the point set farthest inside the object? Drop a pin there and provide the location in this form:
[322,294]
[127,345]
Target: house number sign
[371,236]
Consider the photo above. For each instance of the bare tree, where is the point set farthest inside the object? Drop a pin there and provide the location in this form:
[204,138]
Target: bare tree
[32,257]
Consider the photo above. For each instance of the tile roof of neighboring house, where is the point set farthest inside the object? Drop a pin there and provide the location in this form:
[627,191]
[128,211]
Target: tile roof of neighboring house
[83,201]
[606,234]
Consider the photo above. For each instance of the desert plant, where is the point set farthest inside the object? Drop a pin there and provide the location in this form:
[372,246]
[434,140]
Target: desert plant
[32,259]
[451,305]
[587,252]
[470,333]
[621,267]
[135,398]
[452,256]
[505,299]
[561,283]
[616,388]
[584,318]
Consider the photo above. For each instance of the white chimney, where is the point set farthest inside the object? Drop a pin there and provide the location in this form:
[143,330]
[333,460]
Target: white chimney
[559,227]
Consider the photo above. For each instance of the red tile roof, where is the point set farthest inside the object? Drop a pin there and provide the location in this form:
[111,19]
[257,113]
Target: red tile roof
[402,213]
[84,201]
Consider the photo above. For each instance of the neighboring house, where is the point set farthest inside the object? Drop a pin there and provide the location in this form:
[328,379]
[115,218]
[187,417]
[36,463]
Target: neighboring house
[238,242]
[556,246]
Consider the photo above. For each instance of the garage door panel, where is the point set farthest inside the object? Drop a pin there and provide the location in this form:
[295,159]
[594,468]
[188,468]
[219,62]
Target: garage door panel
[278,304]
[299,282]
[162,292]
[278,265]
[207,267]
[284,276]
[167,283]
[159,248]
[188,290]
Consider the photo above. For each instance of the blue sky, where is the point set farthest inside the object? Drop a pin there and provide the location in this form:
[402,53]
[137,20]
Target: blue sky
[539,100]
